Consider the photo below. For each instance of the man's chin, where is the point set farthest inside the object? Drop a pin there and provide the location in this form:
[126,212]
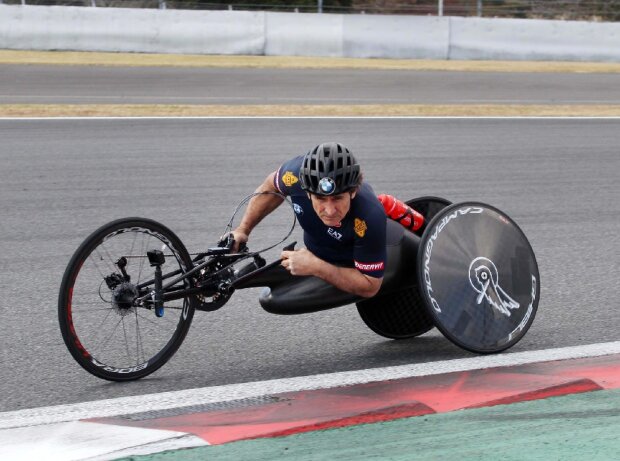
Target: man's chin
[331,222]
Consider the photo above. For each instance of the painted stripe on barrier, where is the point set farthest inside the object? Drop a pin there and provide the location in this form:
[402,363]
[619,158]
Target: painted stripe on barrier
[166,400]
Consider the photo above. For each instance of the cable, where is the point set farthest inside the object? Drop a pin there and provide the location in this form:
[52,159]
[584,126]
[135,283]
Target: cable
[250,197]
[229,226]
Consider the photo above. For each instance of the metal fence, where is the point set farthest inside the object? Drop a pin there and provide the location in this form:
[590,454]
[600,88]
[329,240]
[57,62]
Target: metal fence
[593,10]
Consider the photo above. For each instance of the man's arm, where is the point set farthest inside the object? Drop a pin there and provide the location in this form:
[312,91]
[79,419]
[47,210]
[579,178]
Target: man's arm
[259,207]
[304,262]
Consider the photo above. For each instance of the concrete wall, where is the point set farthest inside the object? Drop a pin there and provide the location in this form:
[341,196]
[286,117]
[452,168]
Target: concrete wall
[518,39]
[125,29]
[302,34]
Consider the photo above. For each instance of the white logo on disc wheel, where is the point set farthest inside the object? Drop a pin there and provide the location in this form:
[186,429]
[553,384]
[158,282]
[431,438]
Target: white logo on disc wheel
[483,277]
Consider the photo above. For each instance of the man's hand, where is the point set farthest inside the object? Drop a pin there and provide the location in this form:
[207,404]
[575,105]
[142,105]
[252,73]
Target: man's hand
[240,237]
[304,262]
[300,262]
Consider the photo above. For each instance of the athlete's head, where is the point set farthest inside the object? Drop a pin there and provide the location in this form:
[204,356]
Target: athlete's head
[331,175]
[329,169]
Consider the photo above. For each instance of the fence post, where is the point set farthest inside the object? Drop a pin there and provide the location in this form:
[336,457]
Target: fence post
[319,6]
[439,7]
[162,4]
[479,8]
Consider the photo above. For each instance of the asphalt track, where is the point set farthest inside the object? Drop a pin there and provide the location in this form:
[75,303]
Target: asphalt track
[45,84]
[60,179]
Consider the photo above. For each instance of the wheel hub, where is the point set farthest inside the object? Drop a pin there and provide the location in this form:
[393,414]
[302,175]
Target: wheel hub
[123,297]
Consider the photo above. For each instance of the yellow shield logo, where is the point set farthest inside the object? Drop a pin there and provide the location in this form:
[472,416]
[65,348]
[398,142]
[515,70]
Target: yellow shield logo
[289,179]
[359,226]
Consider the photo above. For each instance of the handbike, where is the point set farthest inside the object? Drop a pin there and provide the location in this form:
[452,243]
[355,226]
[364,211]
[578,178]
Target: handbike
[130,291]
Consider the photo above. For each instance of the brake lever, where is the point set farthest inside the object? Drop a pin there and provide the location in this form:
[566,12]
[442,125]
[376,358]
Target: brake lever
[224,245]
[227,241]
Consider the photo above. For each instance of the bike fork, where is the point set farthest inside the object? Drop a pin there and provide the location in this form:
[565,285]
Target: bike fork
[156,258]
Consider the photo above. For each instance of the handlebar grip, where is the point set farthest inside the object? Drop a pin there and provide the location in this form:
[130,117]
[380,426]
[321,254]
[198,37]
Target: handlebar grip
[290,247]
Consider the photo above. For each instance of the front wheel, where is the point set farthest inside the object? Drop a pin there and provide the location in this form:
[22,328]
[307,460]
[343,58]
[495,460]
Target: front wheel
[107,331]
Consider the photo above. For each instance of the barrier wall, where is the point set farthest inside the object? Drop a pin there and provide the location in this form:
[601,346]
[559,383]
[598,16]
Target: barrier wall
[518,39]
[138,30]
[406,37]
[303,34]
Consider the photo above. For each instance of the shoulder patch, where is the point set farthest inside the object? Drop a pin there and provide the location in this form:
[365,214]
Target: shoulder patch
[359,226]
[289,179]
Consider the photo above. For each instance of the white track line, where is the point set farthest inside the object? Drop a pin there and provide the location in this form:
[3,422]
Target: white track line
[318,117]
[80,441]
[176,399]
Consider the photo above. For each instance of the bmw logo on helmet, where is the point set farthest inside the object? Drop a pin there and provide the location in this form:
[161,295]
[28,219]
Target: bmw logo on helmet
[327,185]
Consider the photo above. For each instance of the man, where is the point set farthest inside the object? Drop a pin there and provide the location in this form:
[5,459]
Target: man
[343,221]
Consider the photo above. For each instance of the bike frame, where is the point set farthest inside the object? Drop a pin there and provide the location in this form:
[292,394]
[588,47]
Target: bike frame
[215,275]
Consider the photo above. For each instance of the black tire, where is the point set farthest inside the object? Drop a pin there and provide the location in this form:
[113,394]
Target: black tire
[112,340]
[399,315]
[428,206]
[478,277]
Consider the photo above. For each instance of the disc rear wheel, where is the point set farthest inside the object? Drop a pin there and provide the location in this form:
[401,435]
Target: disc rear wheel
[479,277]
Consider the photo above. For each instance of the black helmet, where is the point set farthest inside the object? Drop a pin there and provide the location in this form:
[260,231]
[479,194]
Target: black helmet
[329,169]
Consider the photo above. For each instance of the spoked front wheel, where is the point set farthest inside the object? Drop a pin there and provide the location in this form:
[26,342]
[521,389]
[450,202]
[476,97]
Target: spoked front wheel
[107,331]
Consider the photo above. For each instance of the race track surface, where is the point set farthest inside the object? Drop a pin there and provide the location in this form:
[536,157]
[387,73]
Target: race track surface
[61,179]
[45,84]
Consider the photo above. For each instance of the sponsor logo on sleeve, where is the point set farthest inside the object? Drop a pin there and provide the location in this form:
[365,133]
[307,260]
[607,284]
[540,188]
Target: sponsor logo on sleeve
[369,267]
[289,179]
[298,209]
[359,226]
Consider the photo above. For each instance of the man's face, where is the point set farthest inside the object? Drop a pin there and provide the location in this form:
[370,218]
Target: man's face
[332,209]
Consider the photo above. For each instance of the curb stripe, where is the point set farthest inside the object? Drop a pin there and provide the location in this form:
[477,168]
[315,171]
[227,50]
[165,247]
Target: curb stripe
[336,407]
[167,400]
[81,440]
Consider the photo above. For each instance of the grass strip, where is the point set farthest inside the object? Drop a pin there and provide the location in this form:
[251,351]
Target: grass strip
[293,62]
